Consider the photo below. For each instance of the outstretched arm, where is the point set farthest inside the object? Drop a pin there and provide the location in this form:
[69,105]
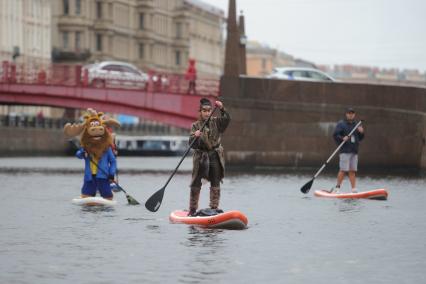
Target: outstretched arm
[224,119]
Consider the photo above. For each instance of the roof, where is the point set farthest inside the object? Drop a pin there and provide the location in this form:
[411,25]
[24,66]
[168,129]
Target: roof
[206,7]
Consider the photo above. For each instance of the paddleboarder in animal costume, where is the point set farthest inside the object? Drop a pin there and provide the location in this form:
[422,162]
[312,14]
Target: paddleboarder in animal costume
[100,162]
[208,158]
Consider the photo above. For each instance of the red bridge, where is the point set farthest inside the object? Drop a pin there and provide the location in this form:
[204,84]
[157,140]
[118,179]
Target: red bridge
[162,98]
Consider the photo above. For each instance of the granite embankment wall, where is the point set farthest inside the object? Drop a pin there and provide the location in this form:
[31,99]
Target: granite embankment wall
[16,141]
[280,123]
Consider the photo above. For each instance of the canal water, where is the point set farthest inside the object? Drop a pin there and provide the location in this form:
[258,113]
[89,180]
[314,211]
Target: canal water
[291,238]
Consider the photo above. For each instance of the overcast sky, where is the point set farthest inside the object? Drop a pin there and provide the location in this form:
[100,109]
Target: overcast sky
[383,33]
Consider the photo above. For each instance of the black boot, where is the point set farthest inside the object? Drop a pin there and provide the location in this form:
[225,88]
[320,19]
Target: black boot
[192,213]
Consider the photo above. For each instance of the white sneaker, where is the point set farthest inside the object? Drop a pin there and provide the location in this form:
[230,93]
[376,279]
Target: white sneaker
[335,190]
[354,190]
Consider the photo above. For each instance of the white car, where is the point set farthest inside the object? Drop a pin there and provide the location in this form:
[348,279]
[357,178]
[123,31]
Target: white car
[300,73]
[115,74]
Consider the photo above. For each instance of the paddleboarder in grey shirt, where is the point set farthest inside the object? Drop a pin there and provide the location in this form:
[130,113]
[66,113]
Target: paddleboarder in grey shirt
[348,157]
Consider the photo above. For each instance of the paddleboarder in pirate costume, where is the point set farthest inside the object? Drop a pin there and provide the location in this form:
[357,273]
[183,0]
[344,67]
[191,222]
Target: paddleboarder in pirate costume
[208,158]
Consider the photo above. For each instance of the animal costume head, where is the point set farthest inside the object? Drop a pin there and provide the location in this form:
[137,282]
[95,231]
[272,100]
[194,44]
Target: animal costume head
[95,138]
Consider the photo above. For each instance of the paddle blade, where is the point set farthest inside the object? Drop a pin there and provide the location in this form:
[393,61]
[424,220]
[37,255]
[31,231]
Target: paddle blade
[154,202]
[131,200]
[305,189]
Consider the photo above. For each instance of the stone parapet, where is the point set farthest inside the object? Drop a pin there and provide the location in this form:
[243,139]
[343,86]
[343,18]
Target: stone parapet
[290,123]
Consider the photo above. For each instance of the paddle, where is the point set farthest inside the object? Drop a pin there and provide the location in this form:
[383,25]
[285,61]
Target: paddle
[130,199]
[305,189]
[154,202]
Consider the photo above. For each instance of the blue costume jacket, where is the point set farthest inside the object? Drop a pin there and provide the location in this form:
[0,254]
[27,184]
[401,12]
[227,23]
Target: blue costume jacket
[107,165]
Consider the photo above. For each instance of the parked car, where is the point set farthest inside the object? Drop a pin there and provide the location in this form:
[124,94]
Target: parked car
[300,73]
[116,74]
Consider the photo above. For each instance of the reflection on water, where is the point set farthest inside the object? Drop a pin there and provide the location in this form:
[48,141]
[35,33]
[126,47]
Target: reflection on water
[208,261]
[153,228]
[349,205]
[204,237]
[139,219]
[97,209]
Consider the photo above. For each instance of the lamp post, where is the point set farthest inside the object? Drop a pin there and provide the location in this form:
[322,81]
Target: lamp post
[16,53]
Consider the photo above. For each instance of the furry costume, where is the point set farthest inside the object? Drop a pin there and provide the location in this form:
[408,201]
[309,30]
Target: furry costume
[100,163]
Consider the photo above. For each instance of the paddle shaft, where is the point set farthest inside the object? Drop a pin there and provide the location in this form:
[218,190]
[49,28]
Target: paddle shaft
[189,148]
[338,148]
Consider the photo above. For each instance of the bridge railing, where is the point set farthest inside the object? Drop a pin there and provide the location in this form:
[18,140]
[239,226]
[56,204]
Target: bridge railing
[176,83]
[28,121]
[78,76]
[54,74]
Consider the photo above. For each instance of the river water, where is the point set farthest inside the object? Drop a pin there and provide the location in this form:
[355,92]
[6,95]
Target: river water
[291,238]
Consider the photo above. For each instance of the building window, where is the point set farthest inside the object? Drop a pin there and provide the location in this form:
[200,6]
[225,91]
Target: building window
[141,51]
[177,57]
[66,4]
[77,7]
[77,41]
[98,9]
[65,40]
[178,30]
[98,42]
[263,63]
[141,21]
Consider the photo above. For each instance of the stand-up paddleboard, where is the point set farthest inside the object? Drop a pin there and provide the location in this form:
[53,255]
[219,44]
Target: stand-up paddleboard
[379,194]
[233,220]
[94,201]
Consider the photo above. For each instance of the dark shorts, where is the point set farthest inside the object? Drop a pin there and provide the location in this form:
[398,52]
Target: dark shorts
[90,187]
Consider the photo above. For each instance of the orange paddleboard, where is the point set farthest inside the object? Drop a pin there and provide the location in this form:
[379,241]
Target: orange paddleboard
[379,194]
[233,220]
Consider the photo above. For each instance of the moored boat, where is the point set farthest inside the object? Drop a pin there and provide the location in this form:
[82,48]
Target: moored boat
[151,145]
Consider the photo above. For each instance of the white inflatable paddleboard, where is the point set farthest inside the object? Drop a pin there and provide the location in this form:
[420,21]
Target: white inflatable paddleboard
[93,201]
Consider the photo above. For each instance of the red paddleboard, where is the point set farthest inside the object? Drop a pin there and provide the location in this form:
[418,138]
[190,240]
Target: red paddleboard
[378,194]
[233,220]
